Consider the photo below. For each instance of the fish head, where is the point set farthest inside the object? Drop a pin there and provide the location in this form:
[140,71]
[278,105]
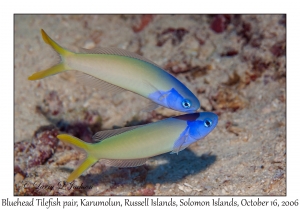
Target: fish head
[198,126]
[203,125]
[183,102]
[180,99]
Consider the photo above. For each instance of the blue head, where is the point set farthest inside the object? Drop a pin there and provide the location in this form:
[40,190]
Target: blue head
[203,125]
[184,102]
[198,126]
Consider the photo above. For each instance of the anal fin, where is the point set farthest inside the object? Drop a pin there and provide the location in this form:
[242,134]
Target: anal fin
[150,106]
[91,81]
[124,163]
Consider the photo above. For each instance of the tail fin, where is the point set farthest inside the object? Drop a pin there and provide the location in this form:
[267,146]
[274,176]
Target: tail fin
[89,160]
[54,69]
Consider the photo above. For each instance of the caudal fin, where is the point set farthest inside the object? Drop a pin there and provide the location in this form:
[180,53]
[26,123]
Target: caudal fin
[54,69]
[89,160]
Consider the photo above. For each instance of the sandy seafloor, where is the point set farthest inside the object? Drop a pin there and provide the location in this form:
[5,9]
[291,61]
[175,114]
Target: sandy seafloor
[235,64]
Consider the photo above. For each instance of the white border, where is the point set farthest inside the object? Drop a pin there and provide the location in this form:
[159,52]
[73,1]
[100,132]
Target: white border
[154,6]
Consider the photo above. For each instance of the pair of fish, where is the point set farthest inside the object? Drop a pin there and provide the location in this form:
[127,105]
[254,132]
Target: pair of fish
[117,70]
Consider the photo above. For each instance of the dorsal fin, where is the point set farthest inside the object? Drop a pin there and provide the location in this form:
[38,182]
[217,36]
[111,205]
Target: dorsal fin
[124,163]
[117,51]
[101,135]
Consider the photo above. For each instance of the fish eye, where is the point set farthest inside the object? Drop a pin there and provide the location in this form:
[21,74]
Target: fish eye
[186,104]
[207,123]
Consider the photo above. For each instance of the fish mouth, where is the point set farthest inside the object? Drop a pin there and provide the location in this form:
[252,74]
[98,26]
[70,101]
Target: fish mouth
[215,119]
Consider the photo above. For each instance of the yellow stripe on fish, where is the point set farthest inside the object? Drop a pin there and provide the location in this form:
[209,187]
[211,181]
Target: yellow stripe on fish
[116,70]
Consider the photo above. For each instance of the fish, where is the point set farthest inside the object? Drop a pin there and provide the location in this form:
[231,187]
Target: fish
[132,146]
[116,70]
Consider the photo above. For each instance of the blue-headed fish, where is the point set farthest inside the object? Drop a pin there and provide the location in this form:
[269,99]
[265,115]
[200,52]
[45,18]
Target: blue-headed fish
[116,70]
[132,146]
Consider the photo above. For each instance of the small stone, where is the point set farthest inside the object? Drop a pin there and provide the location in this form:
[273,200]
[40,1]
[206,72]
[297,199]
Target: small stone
[279,173]
[18,178]
[89,44]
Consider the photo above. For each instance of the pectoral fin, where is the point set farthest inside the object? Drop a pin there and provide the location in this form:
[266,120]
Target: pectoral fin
[185,139]
[179,143]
